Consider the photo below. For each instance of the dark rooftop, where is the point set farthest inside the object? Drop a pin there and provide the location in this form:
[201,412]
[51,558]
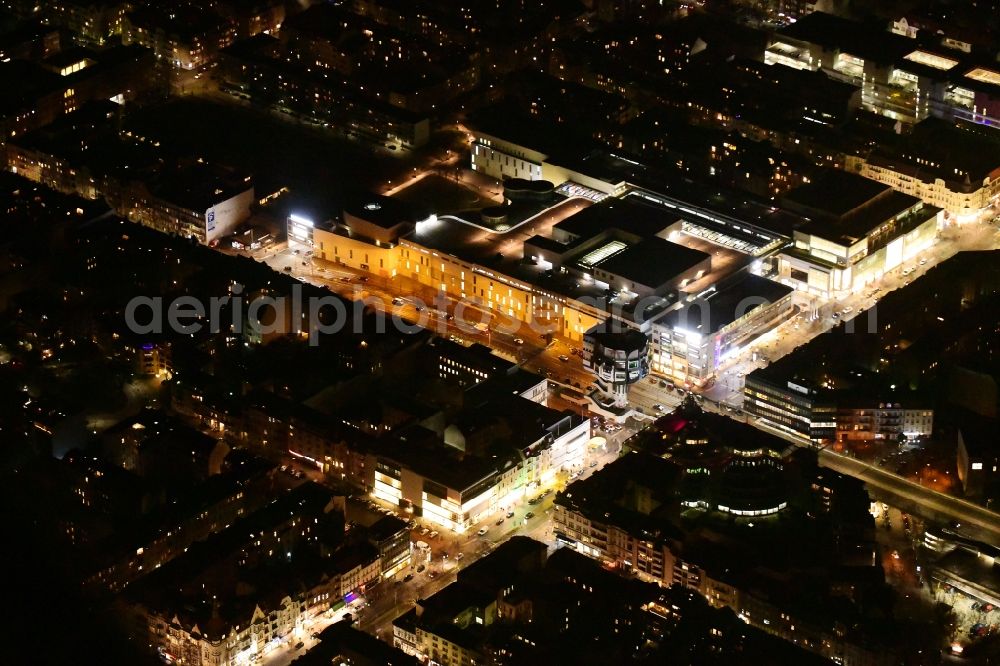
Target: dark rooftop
[343,643]
[652,261]
[834,193]
[859,39]
[960,153]
[385,212]
[724,306]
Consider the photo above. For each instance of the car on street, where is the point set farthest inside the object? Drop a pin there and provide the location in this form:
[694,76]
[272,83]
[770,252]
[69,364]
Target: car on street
[847,310]
[397,301]
[407,578]
[518,341]
[460,556]
[510,514]
[529,515]
[564,358]
[500,522]
[431,574]
[482,531]
[420,568]
[433,535]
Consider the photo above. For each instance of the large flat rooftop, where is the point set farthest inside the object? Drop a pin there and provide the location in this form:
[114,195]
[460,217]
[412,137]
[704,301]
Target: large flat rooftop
[652,261]
[720,308]
[835,193]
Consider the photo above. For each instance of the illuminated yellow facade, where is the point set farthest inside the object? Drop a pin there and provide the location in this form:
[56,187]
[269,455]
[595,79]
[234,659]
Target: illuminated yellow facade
[510,297]
[963,202]
[370,256]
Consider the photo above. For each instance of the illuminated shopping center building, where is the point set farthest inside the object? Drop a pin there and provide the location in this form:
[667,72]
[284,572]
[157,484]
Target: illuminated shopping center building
[634,258]
[858,230]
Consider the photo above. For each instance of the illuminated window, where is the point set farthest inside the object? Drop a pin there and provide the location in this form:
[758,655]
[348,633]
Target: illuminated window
[931,60]
[984,75]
